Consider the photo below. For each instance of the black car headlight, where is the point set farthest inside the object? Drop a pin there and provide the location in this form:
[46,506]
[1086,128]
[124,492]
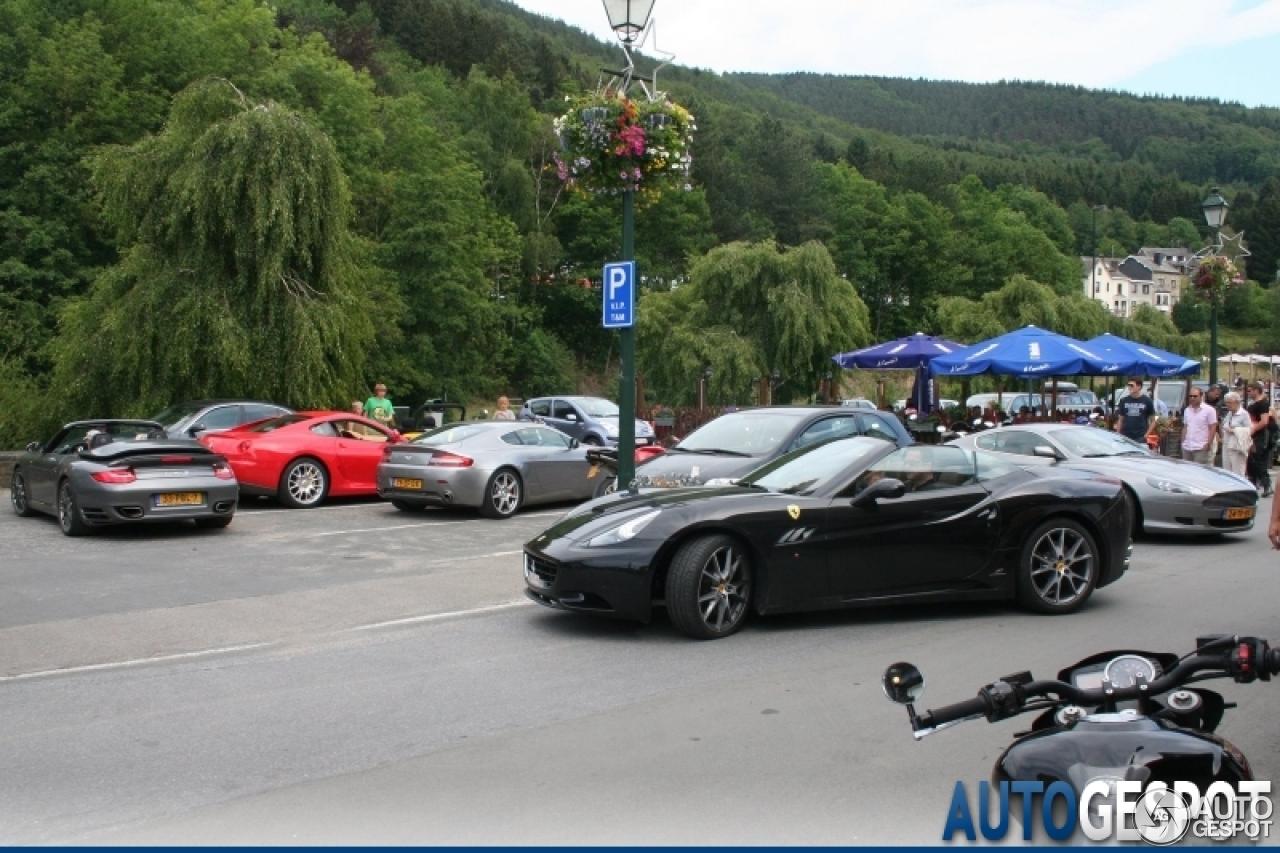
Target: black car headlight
[622,532]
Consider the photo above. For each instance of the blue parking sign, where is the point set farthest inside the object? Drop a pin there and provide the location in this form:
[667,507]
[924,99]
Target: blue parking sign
[620,295]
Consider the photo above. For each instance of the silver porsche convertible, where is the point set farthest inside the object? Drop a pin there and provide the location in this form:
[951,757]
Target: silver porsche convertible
[97,473]
[495,466]
[1169,495]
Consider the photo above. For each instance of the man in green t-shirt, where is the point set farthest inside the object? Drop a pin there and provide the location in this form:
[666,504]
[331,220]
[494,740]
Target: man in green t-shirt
[379,408]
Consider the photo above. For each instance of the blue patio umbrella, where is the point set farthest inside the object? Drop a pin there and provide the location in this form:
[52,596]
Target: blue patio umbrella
[912,352]
[901,354]
[1144,360]
[1028,352]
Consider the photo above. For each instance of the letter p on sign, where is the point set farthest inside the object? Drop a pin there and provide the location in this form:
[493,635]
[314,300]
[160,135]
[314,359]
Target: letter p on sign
[619,295]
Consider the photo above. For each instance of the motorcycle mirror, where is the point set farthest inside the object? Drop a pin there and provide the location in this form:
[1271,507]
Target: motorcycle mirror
[902,683]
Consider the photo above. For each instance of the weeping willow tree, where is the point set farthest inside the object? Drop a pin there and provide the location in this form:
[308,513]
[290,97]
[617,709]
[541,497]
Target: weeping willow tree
[237,274]
[750,309]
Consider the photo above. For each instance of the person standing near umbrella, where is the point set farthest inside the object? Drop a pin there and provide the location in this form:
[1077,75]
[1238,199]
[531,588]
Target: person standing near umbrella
[1137,414]
[1260,454]
[1199,425]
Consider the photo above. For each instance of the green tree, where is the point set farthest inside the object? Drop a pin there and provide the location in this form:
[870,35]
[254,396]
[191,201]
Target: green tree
[239,277]
[1190,315]
[1021,302]
[750,309]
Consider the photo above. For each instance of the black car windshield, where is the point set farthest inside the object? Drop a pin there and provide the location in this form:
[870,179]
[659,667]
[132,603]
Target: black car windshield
[750,433]
[595,407]
[453,433]
[1094,443]
[276,423]
[175,415]
[804,471]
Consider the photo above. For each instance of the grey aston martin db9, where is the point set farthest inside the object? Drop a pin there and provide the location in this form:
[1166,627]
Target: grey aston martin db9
[1169,495]
[495,466]
[95,473]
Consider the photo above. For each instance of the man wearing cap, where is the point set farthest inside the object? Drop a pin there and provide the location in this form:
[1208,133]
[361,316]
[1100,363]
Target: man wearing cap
[379,407]
[1199,426]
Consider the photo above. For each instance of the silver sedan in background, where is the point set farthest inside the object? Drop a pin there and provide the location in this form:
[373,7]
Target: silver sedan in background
[495,466]
[1169,495]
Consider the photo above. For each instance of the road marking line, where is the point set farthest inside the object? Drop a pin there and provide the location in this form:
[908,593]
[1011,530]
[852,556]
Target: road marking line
[96,667]
[425,525]
[433,617]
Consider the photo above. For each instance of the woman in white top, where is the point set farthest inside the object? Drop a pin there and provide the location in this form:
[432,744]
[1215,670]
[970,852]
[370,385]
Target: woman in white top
[1235,444]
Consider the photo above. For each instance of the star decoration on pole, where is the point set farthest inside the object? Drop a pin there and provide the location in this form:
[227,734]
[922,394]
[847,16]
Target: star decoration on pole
[650,87]
[1232,246]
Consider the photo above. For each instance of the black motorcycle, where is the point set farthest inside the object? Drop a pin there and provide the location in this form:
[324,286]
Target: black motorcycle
[1119,716]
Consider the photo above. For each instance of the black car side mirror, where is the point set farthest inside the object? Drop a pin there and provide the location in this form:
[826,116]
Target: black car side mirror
[34,447]
[574,444]
[1046,452]
[196,430]
[886,488]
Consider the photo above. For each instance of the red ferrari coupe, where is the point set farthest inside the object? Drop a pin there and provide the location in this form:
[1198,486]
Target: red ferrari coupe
[302,458]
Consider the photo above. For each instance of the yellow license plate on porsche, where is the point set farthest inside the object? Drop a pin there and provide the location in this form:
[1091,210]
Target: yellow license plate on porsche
[402,483]
[180,499]
[1243,513]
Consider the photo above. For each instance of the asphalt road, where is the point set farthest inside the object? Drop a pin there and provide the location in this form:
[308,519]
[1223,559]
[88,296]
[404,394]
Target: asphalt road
[356,675]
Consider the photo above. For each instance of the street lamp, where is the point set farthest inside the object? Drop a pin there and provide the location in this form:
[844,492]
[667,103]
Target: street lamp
[702,387]
[774,377]
[1215,213]
[627,18]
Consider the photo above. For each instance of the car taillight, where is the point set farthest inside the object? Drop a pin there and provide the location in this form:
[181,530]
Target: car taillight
[175,460]
[115,476]
[223,472]
[450,460]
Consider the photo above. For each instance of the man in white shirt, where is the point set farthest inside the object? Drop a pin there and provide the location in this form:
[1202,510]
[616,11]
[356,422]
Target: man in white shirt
[1199,426]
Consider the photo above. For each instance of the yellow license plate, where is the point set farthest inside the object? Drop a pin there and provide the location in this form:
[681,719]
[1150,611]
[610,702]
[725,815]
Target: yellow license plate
[180,499]
[1239,514]
[402,483]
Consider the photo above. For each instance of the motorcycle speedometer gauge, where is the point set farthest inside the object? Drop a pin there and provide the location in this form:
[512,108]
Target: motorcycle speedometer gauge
[1123,671]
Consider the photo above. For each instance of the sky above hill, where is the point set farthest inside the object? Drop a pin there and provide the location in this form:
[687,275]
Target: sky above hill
[1225,49]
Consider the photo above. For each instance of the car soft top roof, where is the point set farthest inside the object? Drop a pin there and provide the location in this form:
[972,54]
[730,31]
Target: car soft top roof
[113,422]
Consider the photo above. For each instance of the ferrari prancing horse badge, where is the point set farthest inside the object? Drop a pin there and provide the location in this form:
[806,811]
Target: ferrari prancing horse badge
[793,511]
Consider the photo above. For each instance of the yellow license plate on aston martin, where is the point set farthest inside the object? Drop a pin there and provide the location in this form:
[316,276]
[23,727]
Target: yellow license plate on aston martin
[1238,514]
[402,483]
[180,499]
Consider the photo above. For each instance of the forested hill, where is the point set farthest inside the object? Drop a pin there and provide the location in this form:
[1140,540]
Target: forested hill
[1198,140]
[288,199]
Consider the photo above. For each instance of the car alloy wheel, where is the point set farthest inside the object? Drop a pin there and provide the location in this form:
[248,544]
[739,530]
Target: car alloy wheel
[18,495]
[304,484]
[709,587]
[503,495]
[68,513]
[1060,567]
[607,486]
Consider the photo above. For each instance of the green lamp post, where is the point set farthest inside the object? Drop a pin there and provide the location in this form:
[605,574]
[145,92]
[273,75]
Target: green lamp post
[1215,214]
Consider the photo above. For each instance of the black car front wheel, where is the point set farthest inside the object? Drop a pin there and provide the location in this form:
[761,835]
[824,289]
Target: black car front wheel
[18,495]
[608,485]
[69,518]
[1059,567]
[709,587]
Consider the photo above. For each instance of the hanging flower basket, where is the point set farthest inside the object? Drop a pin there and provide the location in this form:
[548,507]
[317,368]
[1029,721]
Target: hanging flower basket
[612,144]
[1215,277]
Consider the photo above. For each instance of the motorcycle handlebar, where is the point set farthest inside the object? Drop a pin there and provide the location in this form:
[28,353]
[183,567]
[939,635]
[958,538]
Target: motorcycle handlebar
[1006,699]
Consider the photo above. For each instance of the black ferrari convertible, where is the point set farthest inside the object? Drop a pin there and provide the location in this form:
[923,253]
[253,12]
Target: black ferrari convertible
[852,522]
